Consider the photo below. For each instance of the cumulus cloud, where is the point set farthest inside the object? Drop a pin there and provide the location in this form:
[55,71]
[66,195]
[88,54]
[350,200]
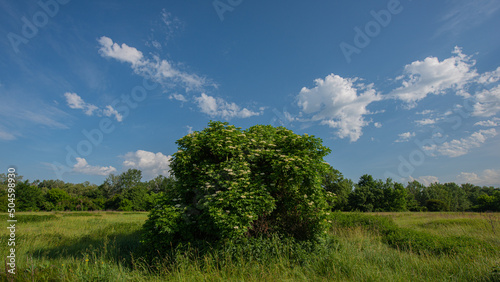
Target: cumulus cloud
[339,103]
[488,177]
[489,123]
[76,102]
[123,53]
[487,102]
[82,166]
[110,111]
[160,70]
[151,164]
[405,137]
[178,97]
[218,107]
[459,147]
[377,125]
[489,77]
[431,76]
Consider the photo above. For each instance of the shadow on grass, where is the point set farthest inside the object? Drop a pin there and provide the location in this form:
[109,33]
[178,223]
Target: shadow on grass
[121,247]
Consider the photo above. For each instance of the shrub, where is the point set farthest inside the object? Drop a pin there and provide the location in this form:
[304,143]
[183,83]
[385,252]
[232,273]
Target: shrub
[234,183]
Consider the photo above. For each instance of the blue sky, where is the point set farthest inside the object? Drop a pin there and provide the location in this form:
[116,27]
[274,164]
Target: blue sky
[401,89]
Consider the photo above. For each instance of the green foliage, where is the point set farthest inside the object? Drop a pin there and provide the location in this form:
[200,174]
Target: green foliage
[28,197]
[489,203]
[233,183]
[333,181]
[376,195]
[56,197]
[435,205]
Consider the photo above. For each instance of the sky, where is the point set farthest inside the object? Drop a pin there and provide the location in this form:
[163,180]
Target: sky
[402,89]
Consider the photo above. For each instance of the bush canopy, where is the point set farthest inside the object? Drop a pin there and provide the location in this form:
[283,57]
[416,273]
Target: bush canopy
[234,183]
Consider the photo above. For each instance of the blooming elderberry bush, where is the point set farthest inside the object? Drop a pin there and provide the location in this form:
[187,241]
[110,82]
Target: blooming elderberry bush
[233,183]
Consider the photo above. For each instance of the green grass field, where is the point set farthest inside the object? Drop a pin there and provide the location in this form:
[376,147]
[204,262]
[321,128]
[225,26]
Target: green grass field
[104,246]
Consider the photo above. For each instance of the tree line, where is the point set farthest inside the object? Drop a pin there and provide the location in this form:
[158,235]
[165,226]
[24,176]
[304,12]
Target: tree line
[127,192]
[370,195]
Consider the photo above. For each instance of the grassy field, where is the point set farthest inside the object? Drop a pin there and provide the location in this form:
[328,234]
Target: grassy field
[104,246]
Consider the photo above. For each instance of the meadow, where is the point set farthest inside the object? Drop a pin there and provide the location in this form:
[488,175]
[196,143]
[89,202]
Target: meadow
[104,246]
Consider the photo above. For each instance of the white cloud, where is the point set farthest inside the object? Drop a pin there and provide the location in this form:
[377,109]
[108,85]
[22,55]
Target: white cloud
[487,102]
[83,167]
[488,177]
[335,102]
[426,121]
[405,137]
[178,97]
[489,123]
[76,102]
[489,77]
[162,71]
[456,148]
[425,180]
[109,111]
[149,163]
[123,53]
[431,76]
[377,125]
[425,112]
[218,107]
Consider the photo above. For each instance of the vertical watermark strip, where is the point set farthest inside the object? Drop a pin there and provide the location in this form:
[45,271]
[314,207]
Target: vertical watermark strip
[11,221]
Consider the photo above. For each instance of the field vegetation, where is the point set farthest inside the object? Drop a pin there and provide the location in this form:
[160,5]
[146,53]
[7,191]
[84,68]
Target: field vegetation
[105,246]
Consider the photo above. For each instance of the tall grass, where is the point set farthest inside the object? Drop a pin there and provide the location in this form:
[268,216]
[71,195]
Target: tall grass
[358,247]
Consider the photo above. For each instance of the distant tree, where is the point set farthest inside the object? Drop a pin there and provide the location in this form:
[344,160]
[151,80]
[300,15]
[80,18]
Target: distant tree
[116,184]
[395,197]
[28,198]
[415,200]
[334,181]
[161,184]
[435,205]
[458,200]
[362,197]
[486,202]
[58,199]
[139,198]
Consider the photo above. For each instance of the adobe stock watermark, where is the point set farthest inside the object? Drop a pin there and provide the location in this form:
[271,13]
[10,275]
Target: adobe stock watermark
[94,137]
[363,36]
[427,147]
[30,28]
[11,221]
[223,6]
